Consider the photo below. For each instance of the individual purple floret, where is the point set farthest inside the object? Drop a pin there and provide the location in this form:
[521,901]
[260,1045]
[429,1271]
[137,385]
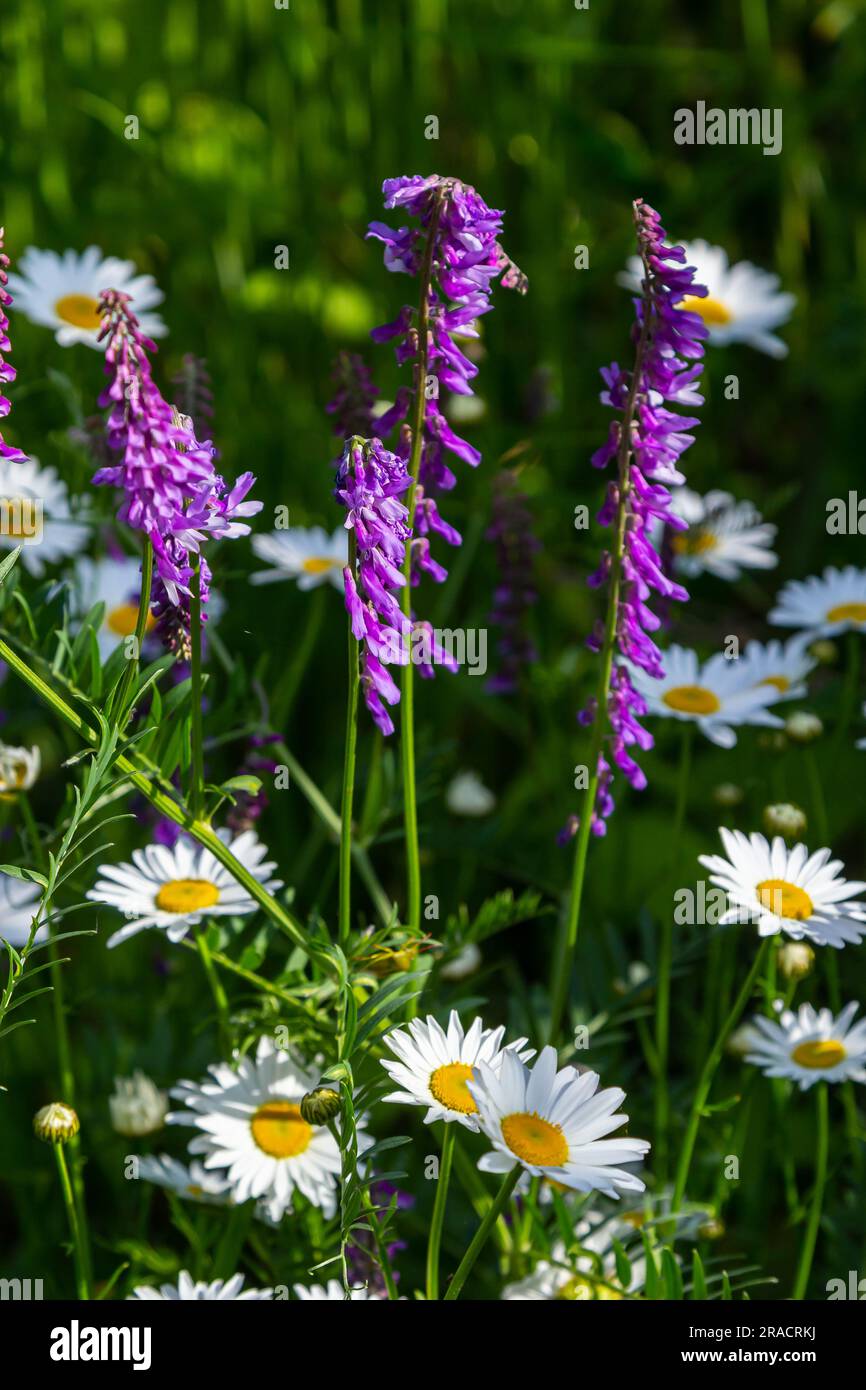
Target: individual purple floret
[7,371]
[370,483]
[647,440]
[515,549]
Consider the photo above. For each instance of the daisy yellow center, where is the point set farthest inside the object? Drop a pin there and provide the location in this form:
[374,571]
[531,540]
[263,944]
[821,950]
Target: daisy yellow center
[187,895]
[696,542]
[785,899]
[279,1130]
[820,1055]
[21,518]
[122,619]
[535,1140]
[81,310]
[780,683]
[317,565]
[847,613]
[580,1290]
[713,312]
[692,699]
[448,1085]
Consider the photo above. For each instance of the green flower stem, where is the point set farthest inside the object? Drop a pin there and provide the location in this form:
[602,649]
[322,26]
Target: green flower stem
[473,1185]
[435,1239]
[144,779]
[284,699]
[133,662]
[197,792]
[407,701]
[82,1283]
[216,987]
[811,1235]
[708,1073]
[259,982]
[563,959]
[381,1248]
[345,919]
[663,982]
[479,1240]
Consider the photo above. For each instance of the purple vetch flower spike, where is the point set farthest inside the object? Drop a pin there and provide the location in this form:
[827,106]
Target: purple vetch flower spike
[7,371]
[194,396]
[356,394]
[456,246]
[370,484]
[647,441]
[515,548]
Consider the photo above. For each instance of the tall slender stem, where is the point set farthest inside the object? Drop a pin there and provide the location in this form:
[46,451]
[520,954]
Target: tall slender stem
[216,987]
[664,964]
[197,791]
[132,663]
[407,698]
[435,1238]
[82,1285]
[811,1235]
[708,1073]
[564,955]
[345,923]
[479,1240]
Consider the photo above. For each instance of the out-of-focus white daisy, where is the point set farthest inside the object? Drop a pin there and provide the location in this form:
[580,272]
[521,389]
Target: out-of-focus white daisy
[138,1106]
[19,901]
[62,292]
[193,1183]
[724,537]
[468,796]
[742,305]
[435,1066]
[784,665]
[19,768]
[810,1045]
[188,1289]
[252,1128]
[463,964]
[173,889]
[861,742]
[835,602]
[332,1292]
[787,890]
[116,582]
[35,514]
[305,553]
[553,1122]
[712,695]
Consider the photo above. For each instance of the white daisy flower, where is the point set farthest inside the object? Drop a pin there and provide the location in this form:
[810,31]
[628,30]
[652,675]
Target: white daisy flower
[333,1292]
[173,889]
[116,582]
[307,554]
[564,1277]
[742,305]
[35,514]
[713,695]
[192,1183]
[822,607]
[19,768]
[19,901]
[251,1123]
[138,1106]
[787,890]
[62,292]
[724,537]
[553,1123]
[861,742]
[468,796]
[810,1045]
[435,1066]
[189,1290]
[783,665]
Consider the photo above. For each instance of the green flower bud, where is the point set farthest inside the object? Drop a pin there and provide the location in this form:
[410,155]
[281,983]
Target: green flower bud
[320,1105]
[56,1123]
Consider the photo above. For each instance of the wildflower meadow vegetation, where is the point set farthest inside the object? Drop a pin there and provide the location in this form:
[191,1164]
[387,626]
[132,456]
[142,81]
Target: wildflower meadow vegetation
[432,598]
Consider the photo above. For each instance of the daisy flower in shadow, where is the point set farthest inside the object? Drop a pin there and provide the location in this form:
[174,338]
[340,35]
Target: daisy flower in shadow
[724,537]
[835,602]
[783,665]
[810,1045]
[307,554]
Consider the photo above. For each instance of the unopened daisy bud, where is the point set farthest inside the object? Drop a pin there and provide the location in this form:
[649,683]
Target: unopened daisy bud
[796,959]
[637,975]
[320,1106]
[784,818]
[803,727]
[741,1041]
[712,1229]
[56,1123]
[824,651]
[137,1107]
[727,794]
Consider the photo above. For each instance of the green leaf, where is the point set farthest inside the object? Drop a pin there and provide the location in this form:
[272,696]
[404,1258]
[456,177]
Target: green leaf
[7,565]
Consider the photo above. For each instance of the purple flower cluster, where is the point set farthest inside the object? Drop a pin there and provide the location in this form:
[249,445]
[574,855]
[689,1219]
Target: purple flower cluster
[515,548]
[361,1256]
[370,483]
[354,398]
[171,491]
[465,259]
[7,371]
[647,440]
[194,393]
